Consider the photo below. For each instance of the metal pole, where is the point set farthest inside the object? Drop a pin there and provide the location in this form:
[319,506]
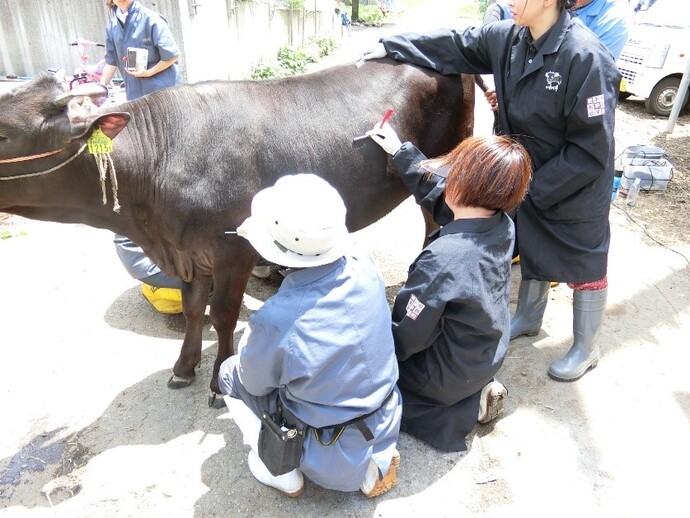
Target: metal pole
[680,97]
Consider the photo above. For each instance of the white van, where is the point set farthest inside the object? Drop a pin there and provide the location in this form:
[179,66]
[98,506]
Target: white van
[653,61]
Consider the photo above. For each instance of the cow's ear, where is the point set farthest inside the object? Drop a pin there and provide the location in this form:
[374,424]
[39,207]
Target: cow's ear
[97,93]
[110,123]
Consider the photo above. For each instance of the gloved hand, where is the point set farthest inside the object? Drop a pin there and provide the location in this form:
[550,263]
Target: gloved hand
[385,137]
[379,51]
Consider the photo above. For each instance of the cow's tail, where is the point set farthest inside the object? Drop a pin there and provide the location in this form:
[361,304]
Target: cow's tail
[480,82]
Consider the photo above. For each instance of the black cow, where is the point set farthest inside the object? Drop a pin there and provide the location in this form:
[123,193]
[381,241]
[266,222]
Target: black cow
[189,159]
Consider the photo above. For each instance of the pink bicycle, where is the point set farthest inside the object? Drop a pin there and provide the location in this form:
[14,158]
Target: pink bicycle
[86,72]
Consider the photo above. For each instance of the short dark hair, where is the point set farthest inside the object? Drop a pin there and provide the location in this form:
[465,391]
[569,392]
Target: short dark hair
[492,172]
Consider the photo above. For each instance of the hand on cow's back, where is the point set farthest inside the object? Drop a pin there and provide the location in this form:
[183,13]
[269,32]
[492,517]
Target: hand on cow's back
[378,51]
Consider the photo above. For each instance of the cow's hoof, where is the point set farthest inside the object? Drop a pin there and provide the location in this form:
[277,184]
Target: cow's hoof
[178,382]
[216,401]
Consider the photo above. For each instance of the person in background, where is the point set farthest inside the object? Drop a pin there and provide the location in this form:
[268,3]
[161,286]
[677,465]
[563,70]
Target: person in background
[608,19]
[133,25]
[451,319]
[321,347]
[557,87]
[345,21]
[496,11]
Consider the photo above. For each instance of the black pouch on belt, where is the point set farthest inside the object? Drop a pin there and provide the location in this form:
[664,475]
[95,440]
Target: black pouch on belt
[280,443]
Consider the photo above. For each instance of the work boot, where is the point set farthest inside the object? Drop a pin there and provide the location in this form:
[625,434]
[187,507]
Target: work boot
[532,298]
[588,313]
[166,300]
[374,484]
[491,401]
[261,271]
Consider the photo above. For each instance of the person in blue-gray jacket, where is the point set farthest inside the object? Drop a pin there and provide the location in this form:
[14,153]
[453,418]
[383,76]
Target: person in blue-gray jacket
[321,348]
[608,19]
[133,25]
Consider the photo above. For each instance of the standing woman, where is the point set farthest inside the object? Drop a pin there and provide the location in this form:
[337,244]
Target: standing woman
[557,87]
[132,25]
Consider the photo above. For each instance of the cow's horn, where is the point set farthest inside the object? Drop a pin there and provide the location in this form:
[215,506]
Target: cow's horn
[86,90]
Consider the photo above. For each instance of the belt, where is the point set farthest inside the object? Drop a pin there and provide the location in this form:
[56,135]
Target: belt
[357,422]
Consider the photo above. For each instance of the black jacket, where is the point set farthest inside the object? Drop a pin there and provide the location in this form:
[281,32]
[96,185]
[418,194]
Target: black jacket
[451,319]
[562,109]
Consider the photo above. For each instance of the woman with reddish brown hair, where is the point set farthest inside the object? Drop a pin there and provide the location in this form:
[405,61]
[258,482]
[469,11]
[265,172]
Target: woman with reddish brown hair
[451,319]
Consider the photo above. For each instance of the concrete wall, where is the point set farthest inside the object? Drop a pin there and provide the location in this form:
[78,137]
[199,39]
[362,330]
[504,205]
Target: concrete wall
[219,39]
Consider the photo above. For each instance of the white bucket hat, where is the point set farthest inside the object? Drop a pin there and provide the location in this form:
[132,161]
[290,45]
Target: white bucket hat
[299,222]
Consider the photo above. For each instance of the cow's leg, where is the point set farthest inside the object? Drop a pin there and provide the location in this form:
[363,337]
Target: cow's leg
[230,277]
[429,225]
[194,300]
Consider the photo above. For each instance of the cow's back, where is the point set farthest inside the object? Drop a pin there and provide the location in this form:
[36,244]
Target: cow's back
[237,137]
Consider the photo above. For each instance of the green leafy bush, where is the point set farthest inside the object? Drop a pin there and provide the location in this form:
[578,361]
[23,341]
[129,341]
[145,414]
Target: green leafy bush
[370,14]
[325,44]
[294,60]
[267,70]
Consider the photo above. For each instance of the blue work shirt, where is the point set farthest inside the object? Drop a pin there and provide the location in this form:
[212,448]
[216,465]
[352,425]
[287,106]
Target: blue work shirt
[145,29]
[608,19]
[324,343]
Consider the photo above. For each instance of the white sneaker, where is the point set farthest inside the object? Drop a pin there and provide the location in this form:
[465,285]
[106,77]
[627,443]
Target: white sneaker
[291,484]
[491,401]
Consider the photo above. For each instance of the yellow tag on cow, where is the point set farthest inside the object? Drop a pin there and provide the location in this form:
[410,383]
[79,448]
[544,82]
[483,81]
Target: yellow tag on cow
[100,143]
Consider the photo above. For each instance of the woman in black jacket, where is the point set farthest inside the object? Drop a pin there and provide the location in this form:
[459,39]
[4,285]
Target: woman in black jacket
[451,319]
[557,88]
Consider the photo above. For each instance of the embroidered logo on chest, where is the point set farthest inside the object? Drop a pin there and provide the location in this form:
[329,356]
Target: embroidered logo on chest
[595,106]
[553,81]
[414,308]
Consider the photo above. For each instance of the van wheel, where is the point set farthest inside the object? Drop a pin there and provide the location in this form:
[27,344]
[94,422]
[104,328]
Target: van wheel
[662,97]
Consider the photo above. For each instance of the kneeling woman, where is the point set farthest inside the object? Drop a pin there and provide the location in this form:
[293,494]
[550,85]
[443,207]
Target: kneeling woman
[451,320]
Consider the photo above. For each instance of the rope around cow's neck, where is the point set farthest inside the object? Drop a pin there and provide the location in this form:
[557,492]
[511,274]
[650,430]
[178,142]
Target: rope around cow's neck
[41,173]
[105,166]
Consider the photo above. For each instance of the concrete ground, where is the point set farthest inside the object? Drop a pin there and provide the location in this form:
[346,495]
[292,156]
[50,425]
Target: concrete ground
[90,429]
[86,360]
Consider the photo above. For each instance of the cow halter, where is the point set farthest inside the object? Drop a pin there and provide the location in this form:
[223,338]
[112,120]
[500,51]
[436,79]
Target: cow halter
[36,157]
[103,162]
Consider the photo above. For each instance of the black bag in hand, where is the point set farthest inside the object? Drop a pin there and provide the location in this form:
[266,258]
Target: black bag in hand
[280,443]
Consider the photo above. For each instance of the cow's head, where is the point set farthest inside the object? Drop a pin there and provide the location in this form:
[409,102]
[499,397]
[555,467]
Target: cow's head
[40,117]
